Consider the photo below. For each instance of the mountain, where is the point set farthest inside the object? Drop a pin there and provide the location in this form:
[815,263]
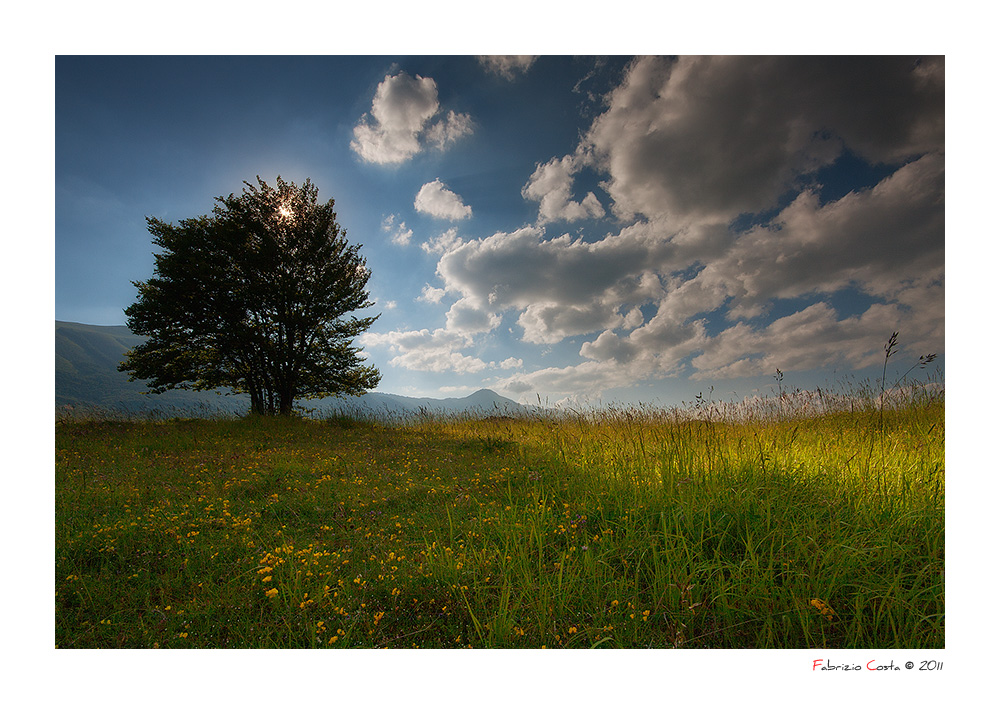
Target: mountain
[483,401]
[87,359]
[87,376]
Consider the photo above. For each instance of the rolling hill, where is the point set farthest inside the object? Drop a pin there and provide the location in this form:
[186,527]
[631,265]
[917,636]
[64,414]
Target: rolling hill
[87,376]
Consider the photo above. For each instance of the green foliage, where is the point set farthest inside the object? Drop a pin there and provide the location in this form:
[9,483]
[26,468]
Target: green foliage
[258,298]
[626,528]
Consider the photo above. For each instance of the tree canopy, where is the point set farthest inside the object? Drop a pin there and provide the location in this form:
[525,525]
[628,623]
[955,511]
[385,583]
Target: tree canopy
[258,298]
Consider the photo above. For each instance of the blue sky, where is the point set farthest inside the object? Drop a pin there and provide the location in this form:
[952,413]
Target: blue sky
[587,229]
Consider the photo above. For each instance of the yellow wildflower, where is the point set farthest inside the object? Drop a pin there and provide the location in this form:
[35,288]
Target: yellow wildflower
[271,593]
[823,608]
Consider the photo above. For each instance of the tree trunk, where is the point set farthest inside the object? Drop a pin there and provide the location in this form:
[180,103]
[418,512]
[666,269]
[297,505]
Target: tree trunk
[256,401]
[286,399]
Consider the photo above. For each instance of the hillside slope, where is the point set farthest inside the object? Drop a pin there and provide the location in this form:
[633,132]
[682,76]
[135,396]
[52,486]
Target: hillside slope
[86,368]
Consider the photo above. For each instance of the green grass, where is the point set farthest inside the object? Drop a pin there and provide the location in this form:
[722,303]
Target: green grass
[626,528]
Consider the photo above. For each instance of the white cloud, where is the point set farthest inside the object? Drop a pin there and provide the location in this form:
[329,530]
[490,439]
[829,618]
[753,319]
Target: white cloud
[435,351]
[400,233]
[448,130]
[438,361]
[562,287]
[425,350]
[436,200]
[466,318]
[609,347]
[511,363]
[703,139]
[887,242]
[633,319]
[551,185]
[444,242]
[431,294]
[808,339]
[400,121]
[401,340]
[584,380]
[387,305]
[518,268]
[685,147]
[430,351]
[547,323]
[507,66]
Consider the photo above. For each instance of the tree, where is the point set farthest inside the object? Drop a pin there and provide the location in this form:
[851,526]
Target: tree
[257,298]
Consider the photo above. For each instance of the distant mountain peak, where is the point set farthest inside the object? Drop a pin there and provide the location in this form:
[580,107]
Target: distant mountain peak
[486,393]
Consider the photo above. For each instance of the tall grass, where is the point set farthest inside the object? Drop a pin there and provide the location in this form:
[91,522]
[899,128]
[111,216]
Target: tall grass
[807,520]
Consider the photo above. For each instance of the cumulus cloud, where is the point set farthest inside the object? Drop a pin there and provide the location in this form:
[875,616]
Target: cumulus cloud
[439,350]
[451,128]
[883,240]
[707,138]
[436,200]
[684,148]
[438,361]
[444,242]
[563,287]
[399,233]
[431,294]
[425,350]
[511,363]
[387,305]
[547,323]
[406,340]
[580,381]
[551,185]
[466,318]
[807,339]
[609,347]
[522,267]
[507,66]
[402,121]
[887,242]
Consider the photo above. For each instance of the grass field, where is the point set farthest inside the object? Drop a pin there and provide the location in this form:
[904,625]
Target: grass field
[718,527]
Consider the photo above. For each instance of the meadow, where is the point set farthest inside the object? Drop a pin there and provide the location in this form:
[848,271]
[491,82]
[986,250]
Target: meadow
[801,521]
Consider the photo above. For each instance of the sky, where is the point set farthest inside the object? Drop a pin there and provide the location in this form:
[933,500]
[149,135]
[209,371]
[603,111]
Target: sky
[560,229]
